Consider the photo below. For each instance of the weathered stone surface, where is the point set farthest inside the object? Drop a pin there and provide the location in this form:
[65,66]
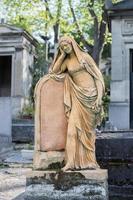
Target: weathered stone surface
[27,154]
[18,44]
[52,121]
[23,130]
[5,143]
[5,116]
[43,160]
[122,31]
[5,123]
[15,159]
[72,185]
[115,153]
[115,145]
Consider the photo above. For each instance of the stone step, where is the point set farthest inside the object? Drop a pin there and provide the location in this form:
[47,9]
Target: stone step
[72,185]
[14,159]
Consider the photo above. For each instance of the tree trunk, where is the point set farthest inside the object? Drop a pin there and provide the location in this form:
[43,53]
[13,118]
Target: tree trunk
[99,40]
[56,28]
[56,32]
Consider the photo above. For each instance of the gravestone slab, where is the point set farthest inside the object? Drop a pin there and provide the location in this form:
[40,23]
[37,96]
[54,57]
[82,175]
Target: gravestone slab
[52,119]
[51,122]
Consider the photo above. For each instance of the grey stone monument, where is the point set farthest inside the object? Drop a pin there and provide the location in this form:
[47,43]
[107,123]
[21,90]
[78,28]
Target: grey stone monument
[121,105]
[17,50]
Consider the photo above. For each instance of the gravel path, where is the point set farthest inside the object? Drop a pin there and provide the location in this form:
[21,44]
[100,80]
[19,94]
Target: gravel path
[12,183]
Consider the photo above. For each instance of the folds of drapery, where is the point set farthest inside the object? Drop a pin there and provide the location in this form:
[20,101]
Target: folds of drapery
[82,120]
[84,99]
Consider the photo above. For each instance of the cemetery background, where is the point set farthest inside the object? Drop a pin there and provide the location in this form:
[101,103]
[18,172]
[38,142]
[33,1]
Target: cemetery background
[118,162]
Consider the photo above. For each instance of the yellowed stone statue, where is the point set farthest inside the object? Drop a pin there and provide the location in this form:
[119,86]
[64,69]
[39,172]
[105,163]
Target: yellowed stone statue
[83,91]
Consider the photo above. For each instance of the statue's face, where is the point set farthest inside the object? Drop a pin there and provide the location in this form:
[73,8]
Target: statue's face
[66,47]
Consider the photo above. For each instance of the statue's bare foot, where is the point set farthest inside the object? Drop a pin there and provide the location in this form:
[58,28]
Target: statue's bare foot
[67,168]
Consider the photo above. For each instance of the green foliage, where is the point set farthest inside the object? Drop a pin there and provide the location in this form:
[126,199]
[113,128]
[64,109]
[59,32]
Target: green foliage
[106,51]
[30,147]
[27,111]
[2,165]
[34,17]
[24,13]
[107,80]
[106,101]
[39,69]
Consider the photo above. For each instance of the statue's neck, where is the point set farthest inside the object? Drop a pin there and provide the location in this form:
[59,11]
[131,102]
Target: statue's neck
[71,55]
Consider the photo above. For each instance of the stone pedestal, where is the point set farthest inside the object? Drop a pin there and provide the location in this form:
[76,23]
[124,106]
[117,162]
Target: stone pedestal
[72,185]
[44,160]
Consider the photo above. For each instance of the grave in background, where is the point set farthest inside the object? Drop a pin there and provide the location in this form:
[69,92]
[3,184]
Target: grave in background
[17,51]
[121,105]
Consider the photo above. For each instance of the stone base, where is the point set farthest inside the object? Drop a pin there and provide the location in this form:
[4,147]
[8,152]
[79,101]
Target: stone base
[46,160]
[72,185]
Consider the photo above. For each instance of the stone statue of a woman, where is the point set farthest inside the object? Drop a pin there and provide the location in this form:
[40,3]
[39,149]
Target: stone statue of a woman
[83,91]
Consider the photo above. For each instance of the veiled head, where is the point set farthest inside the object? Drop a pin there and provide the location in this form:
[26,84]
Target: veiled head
[70,45]
[65,44]
[67,39]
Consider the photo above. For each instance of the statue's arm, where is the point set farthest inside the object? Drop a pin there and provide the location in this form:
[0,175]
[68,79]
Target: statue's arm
[99,87]
[59,64]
